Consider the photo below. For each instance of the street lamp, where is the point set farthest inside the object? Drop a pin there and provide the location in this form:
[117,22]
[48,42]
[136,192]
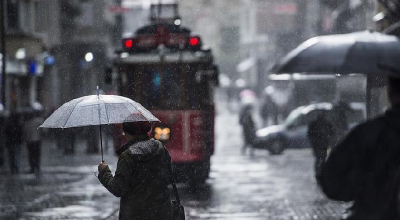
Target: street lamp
[20,54]
[89,57]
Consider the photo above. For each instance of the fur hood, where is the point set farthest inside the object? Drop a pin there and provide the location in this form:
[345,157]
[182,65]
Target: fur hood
[146,150]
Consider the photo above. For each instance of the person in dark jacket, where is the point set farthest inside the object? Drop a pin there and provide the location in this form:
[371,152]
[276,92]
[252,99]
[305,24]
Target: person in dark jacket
[268,111]
[320,133]
[249,130]
[13,139]
[340,111]
[33,139]
[364,167]
[142,176]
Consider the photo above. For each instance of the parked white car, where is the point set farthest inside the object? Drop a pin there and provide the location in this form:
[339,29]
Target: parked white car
[293,132]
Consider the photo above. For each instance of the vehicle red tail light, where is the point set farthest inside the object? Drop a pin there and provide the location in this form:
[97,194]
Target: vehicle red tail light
[128,43]
[194,41]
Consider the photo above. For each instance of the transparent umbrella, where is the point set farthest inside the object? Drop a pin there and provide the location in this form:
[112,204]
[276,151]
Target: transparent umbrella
[98,110]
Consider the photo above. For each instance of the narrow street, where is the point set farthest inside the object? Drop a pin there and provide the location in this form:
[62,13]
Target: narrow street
[308,79]
[259,187]
[241,187]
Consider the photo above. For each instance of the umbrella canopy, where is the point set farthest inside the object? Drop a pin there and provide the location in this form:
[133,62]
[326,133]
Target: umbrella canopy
[360,52]
[97,110]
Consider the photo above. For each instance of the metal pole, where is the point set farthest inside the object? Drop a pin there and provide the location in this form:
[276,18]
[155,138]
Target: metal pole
[368,101]
[101,145]
[158,11]
[3,52]
[101,135]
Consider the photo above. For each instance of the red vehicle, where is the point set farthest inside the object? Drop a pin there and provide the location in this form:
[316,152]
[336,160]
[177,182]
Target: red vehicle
[163,67]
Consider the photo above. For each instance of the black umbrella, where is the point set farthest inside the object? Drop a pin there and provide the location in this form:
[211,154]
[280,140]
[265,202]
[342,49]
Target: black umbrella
[366,52]
[360,52]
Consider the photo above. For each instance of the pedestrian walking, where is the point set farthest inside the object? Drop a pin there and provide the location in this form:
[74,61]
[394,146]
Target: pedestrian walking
[364,167]
[92,141]
[65,140]
[141,177]
[268,111]
[13,140]
[33,139]
[340,111]
[249,131]
[320,133]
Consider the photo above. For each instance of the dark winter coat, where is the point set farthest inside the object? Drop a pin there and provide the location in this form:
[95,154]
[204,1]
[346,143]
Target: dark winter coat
[141,180]
[247,123]
[320,132]
[13,131]
[363,168]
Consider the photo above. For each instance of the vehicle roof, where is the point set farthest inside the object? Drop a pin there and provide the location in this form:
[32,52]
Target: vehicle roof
[152,29]
[174,57]
[297,76]
[315,106]
[359,106]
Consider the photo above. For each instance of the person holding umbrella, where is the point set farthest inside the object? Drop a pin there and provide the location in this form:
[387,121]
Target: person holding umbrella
[141,178]
[144,165]
[364,167]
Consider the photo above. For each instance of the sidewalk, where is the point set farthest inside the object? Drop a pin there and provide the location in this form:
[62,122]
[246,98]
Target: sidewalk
[66,188]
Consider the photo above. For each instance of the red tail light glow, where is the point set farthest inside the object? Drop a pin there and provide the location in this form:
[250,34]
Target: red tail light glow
[128,43]
[194,41]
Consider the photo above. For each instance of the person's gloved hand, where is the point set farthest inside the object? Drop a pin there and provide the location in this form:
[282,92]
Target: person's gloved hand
[102,166]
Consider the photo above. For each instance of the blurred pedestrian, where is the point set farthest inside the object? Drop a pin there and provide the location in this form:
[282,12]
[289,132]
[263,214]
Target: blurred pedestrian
[66,140]
[340,111]
[248,127]
[93,142]
[268,111]
[320,133]
[33,139]
[364,167]
[265,110]
[142,176]
[13,140]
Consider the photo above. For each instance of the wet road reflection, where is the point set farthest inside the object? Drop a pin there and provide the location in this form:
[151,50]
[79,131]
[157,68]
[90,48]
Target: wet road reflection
[241,187]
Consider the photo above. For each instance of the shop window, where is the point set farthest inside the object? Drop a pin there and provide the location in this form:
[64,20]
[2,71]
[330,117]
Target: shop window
[20,15]
[13,14]
[41,16]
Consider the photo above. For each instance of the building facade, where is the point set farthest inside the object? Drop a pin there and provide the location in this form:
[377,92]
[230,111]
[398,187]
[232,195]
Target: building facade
[25,53]
[56,50]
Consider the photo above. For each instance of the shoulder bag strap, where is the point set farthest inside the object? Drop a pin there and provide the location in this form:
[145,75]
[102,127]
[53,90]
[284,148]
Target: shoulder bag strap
[171,177]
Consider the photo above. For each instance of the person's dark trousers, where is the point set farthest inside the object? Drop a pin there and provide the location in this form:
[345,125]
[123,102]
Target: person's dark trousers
[319,150]
[34,152]
[14,153]
[1,154]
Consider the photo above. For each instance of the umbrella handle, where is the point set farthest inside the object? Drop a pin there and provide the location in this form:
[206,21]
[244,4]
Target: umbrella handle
[101,145]
[101,135]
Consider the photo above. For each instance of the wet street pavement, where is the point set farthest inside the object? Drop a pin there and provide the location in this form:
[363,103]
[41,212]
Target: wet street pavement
[244,187]
[65,189]
[240,186]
